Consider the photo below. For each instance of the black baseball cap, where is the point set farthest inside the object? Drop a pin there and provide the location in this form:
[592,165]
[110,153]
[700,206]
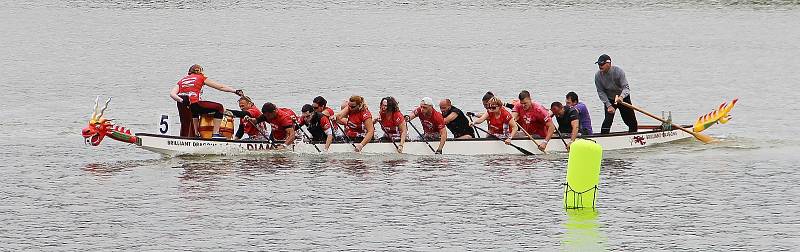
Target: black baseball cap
[603,59]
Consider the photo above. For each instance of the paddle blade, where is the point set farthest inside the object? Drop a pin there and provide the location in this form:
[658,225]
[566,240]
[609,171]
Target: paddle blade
[524,151]
[703,138]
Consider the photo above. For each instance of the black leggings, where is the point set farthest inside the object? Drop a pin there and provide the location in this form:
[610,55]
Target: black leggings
[207,107]
[628,116]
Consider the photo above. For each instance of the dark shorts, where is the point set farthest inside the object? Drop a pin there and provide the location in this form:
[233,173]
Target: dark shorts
[207,107]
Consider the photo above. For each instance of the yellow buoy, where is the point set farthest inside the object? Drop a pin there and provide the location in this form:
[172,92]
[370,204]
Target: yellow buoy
[583,174]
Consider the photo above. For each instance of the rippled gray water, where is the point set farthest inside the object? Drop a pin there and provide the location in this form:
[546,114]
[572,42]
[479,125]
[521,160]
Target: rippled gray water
[687,57]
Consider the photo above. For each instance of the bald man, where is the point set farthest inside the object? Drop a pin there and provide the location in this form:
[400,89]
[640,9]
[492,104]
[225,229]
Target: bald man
[455,120]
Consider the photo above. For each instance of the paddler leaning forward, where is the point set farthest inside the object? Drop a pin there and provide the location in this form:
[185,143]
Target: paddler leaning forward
[187,93]
[533,118]
[249,110]
[432,121]
[359,127]
[392,122]
[318,124]
[281,120]
[501,123]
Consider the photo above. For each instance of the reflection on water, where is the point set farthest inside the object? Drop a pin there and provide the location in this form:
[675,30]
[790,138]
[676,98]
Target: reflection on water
[582,231]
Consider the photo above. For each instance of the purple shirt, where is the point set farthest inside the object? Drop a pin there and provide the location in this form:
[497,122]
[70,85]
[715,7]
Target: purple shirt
[584,119]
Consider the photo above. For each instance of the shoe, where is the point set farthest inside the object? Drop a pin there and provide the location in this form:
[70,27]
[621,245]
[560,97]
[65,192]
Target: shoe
[218,137]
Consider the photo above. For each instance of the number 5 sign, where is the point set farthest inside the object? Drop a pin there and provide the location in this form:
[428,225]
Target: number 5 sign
[163,125]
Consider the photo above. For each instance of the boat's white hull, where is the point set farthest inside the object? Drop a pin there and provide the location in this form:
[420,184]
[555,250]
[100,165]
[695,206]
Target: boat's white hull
[171,145]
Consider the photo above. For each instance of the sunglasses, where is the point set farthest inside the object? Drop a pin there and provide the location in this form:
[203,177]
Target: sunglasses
[492,107]
[353,106]
[602,64]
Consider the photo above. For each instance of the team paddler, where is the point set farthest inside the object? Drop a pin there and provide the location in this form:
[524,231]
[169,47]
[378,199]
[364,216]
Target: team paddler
[318,124]
[359,125]
[187,93]
[501,123]
[456,121]
[392,122]
[433,126]
[321,105]
[610,82]
[533,118]
[249,110]
[567,118]
[281,120]
[584,118]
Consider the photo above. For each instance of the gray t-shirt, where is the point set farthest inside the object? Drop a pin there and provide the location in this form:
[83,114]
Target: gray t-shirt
[611,84]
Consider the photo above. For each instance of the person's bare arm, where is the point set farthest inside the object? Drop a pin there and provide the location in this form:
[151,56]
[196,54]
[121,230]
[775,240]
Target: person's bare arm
[514,128]
[174,94]
[328,142]
[290,135]
[575,126]
[219,86]
[480,119]
[442,139]
[370,132]
[450,118]
[342,113]
[403,135]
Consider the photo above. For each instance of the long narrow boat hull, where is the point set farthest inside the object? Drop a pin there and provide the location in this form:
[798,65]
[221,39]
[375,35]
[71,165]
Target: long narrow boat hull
[173,145]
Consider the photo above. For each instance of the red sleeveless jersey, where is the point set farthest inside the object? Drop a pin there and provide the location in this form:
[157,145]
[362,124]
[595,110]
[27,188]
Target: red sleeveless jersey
[355,122]
[534,119]
[499,124]
[432,123]
[284,119]
[249,128]
[192,86]
[391,123]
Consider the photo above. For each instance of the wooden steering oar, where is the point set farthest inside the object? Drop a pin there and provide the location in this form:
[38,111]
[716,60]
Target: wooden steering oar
[701,137]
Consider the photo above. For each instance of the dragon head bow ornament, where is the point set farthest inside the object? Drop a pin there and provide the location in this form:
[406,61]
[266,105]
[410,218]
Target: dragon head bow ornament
[720,115]
[100,127]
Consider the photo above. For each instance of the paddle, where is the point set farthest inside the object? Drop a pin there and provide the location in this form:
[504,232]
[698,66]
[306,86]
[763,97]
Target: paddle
[345,134]
[469,116]
[559,134]
[269,139]
[423,137]
[524,151]
[701,137]
[306,135]
[389,136]
[529,136]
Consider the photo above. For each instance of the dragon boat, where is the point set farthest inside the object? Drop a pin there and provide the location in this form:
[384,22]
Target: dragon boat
[647,135]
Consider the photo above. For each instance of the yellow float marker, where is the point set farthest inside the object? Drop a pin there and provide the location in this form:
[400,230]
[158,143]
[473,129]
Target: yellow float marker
[583,174]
